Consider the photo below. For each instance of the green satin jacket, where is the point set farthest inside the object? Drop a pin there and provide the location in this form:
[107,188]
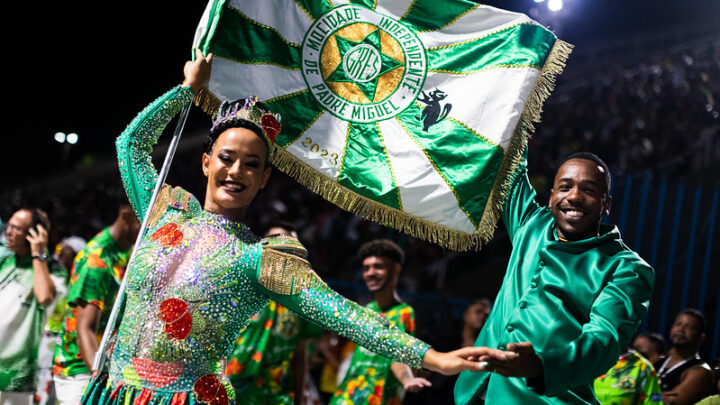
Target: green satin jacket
[578,303]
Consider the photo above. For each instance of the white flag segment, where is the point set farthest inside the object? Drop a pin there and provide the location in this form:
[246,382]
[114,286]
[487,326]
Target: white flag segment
[322,145]
[393,8]
[477,23]
[291,23]
[202,26]
[231,80]
[496,92]
[423,191]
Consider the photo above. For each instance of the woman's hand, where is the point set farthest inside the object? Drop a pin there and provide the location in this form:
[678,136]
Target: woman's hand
[197,72]
[467,358]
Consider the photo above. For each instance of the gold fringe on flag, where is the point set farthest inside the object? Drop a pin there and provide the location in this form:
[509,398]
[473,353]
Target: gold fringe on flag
[371,210]
[544,85]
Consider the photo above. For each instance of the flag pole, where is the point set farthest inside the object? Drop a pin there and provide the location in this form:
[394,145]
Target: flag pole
[100,356]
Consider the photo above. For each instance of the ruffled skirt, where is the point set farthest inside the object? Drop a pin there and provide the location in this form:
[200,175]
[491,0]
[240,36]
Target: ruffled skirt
[101,391]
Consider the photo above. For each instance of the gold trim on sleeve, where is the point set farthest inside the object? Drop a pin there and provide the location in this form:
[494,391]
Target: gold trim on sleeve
[160,206]
[284,273]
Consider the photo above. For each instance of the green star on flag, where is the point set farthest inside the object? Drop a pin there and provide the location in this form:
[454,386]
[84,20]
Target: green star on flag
[362,63]
[411,113]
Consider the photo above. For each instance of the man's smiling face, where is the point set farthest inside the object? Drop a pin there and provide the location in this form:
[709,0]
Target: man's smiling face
[579,199]
[379,273]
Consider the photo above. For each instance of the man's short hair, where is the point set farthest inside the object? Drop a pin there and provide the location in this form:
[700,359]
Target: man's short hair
[656,340]
[39,217]
[595,158]
[697,315]
[382,248]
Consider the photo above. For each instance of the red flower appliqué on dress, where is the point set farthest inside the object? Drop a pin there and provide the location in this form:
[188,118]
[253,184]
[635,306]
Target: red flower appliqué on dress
[210,390]
[178,321]
[168,235]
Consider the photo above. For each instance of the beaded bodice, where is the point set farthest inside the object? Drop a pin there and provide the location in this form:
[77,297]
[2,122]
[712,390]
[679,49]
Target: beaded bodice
[190,292]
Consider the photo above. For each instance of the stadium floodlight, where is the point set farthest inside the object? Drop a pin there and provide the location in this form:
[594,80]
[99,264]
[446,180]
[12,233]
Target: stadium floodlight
[72,138]
[555,5]
[59,137]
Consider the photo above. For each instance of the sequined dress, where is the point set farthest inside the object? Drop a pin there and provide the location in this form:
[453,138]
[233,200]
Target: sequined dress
[196,280]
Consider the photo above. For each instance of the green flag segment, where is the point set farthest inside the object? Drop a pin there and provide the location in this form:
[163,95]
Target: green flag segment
[412,113]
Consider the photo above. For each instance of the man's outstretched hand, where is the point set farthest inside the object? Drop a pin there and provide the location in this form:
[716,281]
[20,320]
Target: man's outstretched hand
[521,361]
[467,358]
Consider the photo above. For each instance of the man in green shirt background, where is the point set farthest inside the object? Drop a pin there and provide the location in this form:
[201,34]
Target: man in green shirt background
[30,282]
[372,379]
[97,273]
[571,299]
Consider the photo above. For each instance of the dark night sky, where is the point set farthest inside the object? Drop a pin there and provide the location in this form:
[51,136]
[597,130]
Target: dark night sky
[72,68]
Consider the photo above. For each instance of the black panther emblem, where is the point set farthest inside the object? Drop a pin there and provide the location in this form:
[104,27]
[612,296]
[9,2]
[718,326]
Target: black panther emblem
[432,114]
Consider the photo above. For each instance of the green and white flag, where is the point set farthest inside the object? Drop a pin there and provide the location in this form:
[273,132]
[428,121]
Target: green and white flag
[412,113]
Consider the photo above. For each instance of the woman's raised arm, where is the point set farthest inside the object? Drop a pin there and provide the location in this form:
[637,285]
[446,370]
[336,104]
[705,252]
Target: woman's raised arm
[135,144]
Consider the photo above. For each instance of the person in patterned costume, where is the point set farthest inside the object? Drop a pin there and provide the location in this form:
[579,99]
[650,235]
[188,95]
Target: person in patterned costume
[269,362]
[373,379]
[199,273]
[96,275]
[631,381]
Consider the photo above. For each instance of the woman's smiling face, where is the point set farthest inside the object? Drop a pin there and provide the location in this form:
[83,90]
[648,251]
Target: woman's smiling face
[236,170]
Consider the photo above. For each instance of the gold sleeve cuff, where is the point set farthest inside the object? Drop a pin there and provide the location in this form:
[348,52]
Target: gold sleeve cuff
[285,274]
[285,244]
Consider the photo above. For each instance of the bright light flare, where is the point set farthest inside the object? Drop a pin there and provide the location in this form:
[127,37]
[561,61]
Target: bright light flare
[59,137]
[72,138]
[555,5]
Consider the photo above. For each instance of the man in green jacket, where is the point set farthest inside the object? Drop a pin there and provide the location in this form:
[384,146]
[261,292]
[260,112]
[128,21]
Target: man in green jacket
[572,297]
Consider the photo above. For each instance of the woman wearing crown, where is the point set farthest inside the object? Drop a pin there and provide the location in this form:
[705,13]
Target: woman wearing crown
[200,273]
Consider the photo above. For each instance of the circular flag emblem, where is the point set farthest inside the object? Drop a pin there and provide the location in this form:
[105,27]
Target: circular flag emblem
[361,65]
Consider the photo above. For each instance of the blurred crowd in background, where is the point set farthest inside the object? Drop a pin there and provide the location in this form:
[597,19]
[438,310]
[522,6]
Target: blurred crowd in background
[658,114]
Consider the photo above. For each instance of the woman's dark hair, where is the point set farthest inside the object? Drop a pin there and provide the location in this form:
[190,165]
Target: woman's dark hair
[233,123]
